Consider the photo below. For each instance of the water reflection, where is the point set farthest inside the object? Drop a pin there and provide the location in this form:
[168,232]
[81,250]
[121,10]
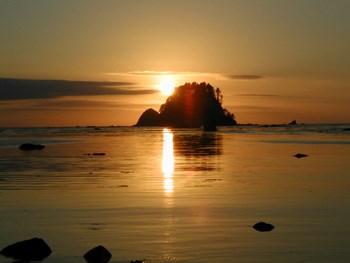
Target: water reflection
[203,144]
[168,161]
[198,151]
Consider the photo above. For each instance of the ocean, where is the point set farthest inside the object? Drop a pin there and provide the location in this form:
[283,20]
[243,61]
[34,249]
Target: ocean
[179,195]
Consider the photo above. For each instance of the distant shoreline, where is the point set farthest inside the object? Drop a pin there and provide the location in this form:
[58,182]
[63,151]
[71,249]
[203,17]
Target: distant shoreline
[132,126]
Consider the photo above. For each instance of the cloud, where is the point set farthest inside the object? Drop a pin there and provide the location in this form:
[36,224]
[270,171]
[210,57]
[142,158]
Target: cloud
[70,104]
[243,77]
[254,107]
[255,95]
[22,89]
[151,73]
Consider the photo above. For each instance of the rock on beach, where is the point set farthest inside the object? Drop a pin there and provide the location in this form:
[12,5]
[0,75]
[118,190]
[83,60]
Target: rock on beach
[30,147]
[27,250]
[98,254]
[263,227]
[300,155]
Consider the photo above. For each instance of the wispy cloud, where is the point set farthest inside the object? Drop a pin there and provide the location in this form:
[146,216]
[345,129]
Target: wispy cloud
[63,105]
[255,95]
[20,89]
[244,77]
[151,73]
[254,108]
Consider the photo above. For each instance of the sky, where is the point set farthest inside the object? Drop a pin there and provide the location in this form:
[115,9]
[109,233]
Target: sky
[68,63]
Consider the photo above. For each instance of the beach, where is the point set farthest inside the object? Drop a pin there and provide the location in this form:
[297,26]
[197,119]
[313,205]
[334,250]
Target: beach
[179,195]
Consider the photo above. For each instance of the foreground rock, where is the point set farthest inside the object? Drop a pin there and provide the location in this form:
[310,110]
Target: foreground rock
[98,254]
[263,227]
[32,249]
[300,155]
[30,147]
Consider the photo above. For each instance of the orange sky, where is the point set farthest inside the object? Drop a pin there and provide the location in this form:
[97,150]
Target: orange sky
[274,61]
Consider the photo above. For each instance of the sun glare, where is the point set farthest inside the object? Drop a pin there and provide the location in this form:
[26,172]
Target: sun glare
[166,86]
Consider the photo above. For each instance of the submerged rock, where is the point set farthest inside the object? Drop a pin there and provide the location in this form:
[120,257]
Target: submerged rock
[96,154]
[300,155]
[263,227]
[32,249]
[30,146]
[98,254]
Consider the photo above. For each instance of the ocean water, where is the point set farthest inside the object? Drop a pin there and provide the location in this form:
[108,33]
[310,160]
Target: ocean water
[179,195]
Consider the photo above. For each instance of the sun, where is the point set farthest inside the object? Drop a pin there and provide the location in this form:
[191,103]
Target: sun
[166,87]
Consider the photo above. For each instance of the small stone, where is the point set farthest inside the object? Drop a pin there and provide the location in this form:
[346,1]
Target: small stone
[27,250]
[300,155]
[263,227]
[30,146]
[98,254]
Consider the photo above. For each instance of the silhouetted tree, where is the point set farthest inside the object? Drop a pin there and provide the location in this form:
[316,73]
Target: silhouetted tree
[193,105]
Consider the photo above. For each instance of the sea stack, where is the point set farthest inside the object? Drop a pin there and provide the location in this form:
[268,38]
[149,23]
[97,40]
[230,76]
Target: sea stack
[192,105]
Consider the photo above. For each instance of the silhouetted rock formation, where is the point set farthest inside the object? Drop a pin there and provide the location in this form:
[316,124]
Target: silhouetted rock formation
[263,227]
[191,105]
[149,117]
[28,250]
[293,122]
[98,254]
[30,146]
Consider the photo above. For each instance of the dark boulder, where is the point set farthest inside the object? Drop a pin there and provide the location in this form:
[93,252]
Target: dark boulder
[149,117]
[300,155]
[263,227]
[32,249]
[98,254]
[30,146]
[294,122]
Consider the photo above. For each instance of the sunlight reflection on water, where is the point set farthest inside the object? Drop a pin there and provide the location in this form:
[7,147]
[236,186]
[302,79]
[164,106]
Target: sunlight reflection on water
[168,161]
[168,164]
